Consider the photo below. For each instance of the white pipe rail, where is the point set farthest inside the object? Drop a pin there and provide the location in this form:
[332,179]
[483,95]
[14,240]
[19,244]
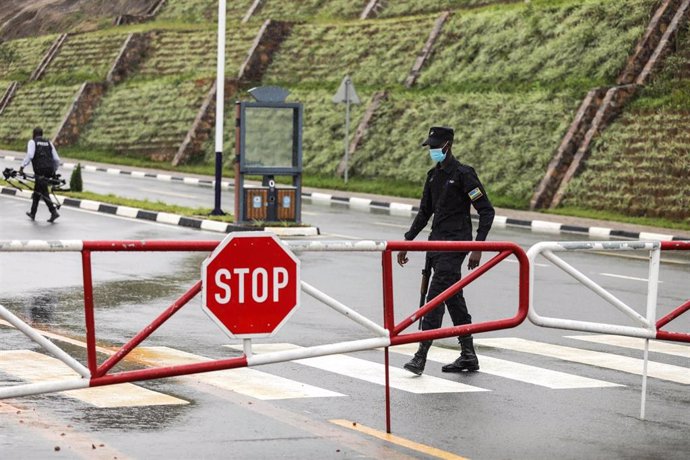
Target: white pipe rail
[647,328]
[648,322]
[344,310]
[49,346]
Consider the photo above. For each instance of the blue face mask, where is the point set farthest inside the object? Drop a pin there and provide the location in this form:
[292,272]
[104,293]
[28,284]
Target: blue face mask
[437,155]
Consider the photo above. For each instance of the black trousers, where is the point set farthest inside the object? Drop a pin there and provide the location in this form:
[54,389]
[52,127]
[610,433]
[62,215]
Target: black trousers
[41,191]
[447,267]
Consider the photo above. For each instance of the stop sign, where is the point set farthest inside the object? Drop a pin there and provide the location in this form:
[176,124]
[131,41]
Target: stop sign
[250,284]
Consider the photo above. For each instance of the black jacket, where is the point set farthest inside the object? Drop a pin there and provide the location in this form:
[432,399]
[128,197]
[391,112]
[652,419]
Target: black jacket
[449,190]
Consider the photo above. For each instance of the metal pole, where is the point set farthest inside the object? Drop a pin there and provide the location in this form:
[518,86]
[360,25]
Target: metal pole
[89,316]
[388,323]
[644,379]
[347,124]
[220,98]
[239,179]
[652,297]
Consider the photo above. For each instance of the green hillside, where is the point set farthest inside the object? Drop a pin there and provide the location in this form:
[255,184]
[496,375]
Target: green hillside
[18,58]
[509,76]
[371,52]
[640,165]
[123,124]
[569,45]
[85,57]
[202,10]
[186,54]
[35,105]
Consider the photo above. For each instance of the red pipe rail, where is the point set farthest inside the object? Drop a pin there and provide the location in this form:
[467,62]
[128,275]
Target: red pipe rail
[100,372]
[667,335]
[504,249]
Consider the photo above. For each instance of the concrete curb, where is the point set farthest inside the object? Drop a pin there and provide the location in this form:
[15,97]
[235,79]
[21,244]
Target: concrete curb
[397,209]
[538,226]
[166,218]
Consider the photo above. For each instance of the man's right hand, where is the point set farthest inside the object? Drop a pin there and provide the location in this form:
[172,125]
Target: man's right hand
[402,258]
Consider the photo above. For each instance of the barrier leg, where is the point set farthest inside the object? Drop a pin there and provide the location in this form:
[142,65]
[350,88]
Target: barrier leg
[644,379]
[652,298]
[388,393]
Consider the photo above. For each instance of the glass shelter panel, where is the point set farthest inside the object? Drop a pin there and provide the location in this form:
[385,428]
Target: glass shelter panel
[269,137]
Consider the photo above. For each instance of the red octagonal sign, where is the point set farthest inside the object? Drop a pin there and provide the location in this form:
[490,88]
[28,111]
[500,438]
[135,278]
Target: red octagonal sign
[250,284]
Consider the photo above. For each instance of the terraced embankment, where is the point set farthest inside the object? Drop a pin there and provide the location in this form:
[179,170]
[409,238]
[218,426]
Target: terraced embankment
[35,105]
[640,165]
[508,76]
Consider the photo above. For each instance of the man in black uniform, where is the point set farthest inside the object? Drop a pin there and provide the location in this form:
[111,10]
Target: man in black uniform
[45,161]
[449,190]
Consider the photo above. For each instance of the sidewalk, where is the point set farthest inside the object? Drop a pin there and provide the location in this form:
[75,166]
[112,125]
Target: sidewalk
[536,221]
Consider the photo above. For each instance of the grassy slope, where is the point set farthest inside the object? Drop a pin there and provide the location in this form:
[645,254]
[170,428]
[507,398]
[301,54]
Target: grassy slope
[516,73]
[639,166]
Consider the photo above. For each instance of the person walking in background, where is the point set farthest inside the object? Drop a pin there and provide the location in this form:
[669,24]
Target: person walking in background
[450,188]
[44,159]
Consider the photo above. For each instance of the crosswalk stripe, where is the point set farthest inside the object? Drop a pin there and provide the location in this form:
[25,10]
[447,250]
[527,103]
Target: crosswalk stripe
[249,382]
[657,370]
[636,344]
[371,372]
[36,367]
[512,370]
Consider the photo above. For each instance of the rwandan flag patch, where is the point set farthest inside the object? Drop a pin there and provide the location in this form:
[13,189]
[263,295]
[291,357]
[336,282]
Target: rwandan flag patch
[475,194]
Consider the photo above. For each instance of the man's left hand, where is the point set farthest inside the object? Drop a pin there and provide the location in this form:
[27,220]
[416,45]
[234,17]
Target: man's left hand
[475,257]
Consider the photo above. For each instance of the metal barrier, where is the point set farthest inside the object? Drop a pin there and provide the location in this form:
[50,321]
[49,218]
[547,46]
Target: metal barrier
[646,327]
[95,374]
[666,335]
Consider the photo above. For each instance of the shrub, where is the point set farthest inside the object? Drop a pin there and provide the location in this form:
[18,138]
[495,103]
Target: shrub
[75,182]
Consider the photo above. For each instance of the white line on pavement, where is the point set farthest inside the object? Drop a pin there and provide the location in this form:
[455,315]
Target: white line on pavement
[512,370]
[36,367]
[624,277]
[371,372]
[636,344]
[159,192]
[657,370]
[249,382]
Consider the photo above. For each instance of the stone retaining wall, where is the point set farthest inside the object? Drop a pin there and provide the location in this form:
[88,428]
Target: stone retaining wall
[79,114]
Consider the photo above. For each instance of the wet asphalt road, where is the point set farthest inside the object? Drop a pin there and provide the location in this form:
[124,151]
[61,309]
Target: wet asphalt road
[513,419]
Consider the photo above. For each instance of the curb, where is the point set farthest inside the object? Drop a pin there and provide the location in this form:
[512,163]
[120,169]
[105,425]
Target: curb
[392,208]
[537,226]
[166,218]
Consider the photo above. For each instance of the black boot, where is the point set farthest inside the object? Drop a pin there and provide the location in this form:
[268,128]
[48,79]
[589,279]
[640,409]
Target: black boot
[418,361]
[31,215]
[468,358]
[53,215]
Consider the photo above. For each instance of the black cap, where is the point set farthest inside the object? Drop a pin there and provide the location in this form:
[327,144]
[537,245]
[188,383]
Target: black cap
[438,135]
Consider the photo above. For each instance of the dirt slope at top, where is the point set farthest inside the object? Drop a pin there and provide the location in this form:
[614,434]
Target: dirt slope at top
[28,18]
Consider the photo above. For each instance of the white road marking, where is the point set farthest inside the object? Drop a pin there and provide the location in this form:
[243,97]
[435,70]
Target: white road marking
[371,372]
[36,367]
[657,370]
[403,227]
[624,277]
[249,382]
[636,344]
[159,192]
[97,182]
[513,261]
[512,370]
[339,235]
[246,381]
